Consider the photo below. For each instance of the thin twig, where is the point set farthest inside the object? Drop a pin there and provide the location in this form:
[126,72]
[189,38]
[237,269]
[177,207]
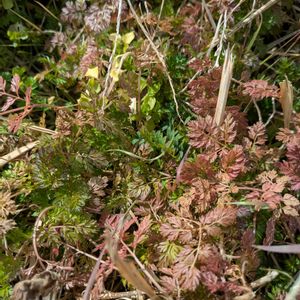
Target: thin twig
[93,275]
[150,277]
[36,226]
[258,111]
[112,54]
[210,17]
[252,16]
[16,153]
[273,112]
[129,294]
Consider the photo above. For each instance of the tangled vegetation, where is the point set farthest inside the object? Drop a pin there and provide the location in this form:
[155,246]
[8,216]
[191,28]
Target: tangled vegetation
[150,149]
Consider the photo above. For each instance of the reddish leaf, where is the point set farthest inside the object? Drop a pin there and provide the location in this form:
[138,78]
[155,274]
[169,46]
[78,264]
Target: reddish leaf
[191,279]
[233,161]
[270,231]
[169,283]
[227,130]
[259,89]
[204,133]
[248,239]
[200,65]
[9,101]
[139,234]
[220,216]
[14,123]
[176,229]
[293,172]
[15,84]
[257,133]
[293,152]
[200,196]
[201,167]
[271,198]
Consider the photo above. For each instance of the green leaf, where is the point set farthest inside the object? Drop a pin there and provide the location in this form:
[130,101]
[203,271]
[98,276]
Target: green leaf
[92,73]
[7,4]
[149,100]
[128,38]
[148,104]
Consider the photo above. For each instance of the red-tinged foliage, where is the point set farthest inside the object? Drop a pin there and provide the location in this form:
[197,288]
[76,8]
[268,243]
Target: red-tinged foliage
[143,228]
[233,161]
[117,147]
[285,135]
[15,84]
[248,254]
[201,167]
[200,65]
[204,133]
[191,279]
[293,152]
[199,197]
[257,133]
[170,284]
[248,239]
[177,229]
[228,130]
[270,231]
[259,89]
[203,92]
[219,216]
[9,102]
[293,172]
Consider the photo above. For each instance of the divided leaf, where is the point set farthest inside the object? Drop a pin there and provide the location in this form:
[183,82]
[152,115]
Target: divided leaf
[204,133]
[233,161]
[259,89]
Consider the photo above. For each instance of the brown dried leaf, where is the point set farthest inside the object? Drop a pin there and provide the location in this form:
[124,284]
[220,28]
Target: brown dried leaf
[129,270]
[286,99]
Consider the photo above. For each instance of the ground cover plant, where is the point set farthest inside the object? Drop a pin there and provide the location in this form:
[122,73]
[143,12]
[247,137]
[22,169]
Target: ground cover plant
[149,149]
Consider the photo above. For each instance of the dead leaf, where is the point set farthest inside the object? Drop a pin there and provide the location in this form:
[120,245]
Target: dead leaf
[294,248]
[286,99]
